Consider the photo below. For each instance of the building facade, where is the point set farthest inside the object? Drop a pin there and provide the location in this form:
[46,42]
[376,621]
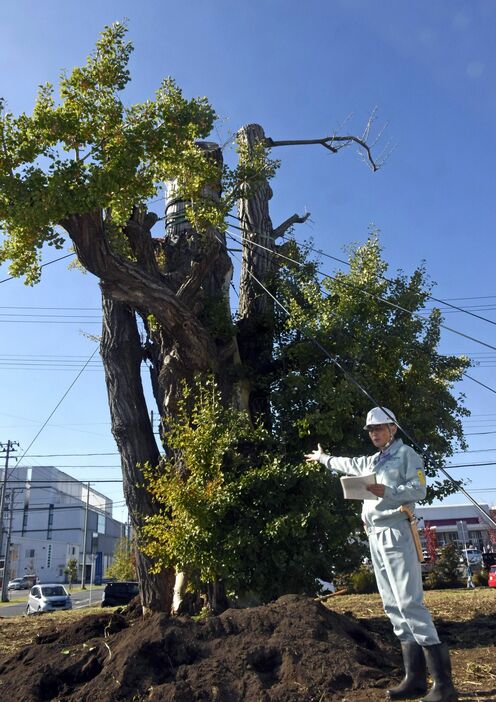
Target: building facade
[51,518]
[445,520]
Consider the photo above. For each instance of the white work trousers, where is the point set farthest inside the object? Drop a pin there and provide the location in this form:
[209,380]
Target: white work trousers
[399,579]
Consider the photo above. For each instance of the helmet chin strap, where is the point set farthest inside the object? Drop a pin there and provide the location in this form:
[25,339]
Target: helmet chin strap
[391,438]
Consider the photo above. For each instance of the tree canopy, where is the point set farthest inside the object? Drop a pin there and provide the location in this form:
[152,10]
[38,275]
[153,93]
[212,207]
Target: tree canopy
[377,329]
[84,165]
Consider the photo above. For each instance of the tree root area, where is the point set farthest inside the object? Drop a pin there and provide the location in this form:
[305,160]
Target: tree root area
[292,649]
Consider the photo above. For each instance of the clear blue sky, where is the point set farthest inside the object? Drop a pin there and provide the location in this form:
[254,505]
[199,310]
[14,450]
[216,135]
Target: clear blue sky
[299,69]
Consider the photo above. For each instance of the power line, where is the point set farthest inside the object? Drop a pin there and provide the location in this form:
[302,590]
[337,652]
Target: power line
[235,237]
[362,389]
[43,265]
[57,405]
[376,297]
[67,455]
[340,260]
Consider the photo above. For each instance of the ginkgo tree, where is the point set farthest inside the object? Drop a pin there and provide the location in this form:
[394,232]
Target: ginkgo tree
[83,166]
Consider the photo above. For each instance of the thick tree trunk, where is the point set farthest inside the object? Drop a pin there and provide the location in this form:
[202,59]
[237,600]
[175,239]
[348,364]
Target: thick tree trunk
[122,354]
[256,308]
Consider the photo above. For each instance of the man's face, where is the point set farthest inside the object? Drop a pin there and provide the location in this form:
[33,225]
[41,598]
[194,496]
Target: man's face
[382,434]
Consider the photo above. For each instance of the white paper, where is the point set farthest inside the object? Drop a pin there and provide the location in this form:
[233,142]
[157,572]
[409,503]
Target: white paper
[355,487]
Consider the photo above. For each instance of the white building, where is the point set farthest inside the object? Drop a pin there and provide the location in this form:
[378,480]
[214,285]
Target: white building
[47,524]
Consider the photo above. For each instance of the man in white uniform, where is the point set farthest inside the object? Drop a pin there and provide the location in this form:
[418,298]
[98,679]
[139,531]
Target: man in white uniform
[400,481]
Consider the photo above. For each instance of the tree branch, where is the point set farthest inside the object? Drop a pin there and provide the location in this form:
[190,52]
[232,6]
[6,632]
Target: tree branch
[288,223]
[329,143]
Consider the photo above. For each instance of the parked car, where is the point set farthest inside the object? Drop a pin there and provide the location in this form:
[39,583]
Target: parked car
[48,598]
[491,581]
[19,584]
[119,593]
[471,555]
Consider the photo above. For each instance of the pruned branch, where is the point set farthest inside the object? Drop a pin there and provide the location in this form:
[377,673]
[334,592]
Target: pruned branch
[288,223]
[335,143]
[328,143]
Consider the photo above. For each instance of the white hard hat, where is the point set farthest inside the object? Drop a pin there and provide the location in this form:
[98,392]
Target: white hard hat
[379,415]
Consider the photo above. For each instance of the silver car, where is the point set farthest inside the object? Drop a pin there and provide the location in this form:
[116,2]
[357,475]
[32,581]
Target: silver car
[48,598]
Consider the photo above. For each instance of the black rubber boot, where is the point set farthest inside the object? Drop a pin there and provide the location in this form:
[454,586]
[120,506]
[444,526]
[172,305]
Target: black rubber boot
[414,684]
[439,664]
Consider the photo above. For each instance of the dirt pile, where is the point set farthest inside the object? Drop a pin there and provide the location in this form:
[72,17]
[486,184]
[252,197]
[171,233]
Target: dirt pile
[293,649]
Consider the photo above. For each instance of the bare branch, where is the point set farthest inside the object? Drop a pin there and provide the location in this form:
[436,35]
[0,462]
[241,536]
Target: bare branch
[335,143]
[288,223]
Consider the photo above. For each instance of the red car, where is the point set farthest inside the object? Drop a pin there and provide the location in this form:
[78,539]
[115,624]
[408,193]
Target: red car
[492,576]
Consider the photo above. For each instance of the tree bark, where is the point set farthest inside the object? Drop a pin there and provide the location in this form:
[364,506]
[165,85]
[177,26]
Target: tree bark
[122,355]
[256,308]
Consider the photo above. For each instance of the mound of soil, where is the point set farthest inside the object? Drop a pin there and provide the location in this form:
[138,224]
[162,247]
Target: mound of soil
[294,649]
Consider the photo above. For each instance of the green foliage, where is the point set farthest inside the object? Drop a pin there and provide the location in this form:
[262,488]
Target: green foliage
[445,573]
[362,581]
[388,351]
[71,570]
[231,508]
[123,566]
[87,152]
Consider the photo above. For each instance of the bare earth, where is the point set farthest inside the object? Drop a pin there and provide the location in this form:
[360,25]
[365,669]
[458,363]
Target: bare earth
[293,650]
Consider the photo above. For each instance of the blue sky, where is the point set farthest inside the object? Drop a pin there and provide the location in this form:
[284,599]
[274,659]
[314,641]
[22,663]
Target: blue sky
[300,70]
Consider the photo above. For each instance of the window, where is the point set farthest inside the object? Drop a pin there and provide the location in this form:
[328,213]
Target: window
[50,522]
[49,555]
[101,524]
[30,553]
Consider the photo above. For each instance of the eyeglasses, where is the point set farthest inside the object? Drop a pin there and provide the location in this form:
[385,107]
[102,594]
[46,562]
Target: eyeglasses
[377,427]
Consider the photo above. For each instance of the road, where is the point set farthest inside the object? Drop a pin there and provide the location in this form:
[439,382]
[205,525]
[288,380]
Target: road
[83,598]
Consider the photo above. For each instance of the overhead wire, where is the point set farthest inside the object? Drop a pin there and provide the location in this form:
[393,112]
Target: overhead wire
[364,391]
[340,260]
[362,290]
[43,265]
[235,237]
[57,405]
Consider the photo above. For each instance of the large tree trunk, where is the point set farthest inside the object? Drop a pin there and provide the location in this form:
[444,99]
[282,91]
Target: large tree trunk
[256,308]
[179,285]
[133,433]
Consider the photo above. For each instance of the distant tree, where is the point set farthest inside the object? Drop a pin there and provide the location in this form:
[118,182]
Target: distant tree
[123,566]
[70,571]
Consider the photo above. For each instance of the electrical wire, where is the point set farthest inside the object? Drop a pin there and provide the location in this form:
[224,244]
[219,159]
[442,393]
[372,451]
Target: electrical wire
[57,405]
[43,265]
[371,295]
[340,260]
[364,391]
[235,237]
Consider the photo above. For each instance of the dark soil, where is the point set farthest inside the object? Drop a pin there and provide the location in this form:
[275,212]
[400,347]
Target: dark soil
[293,650]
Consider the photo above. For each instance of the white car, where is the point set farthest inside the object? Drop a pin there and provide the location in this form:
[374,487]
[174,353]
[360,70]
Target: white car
[48,598]
[19,584]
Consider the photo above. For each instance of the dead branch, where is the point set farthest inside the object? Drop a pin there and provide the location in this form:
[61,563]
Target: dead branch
[288,223]
[328,143]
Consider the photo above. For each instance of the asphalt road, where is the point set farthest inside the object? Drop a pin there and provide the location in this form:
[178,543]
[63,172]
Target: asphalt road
[84,598]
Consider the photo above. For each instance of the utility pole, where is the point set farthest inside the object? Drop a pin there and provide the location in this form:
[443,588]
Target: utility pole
[83,574]
[7,449]
[6,561]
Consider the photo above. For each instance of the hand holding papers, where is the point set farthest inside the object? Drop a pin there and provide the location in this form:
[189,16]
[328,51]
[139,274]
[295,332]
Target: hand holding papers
[355,486]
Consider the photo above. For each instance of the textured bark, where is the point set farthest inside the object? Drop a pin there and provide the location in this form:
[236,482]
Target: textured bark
[256,308]
[133,433]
